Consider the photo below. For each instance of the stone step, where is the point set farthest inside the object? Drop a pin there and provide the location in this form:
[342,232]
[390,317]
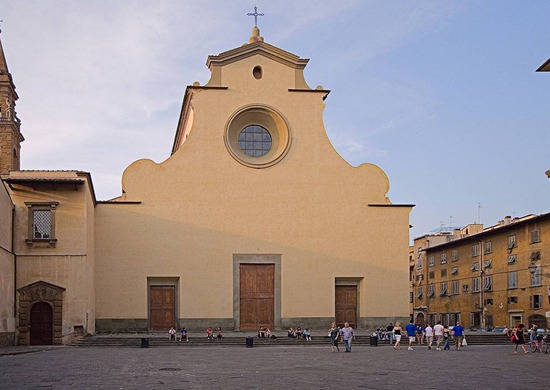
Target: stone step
[157,341]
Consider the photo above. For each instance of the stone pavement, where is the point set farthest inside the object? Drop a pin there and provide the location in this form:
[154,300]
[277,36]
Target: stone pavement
[475,367]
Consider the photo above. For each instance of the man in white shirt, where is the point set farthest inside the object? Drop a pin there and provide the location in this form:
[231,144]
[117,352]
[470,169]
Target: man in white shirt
[438,330]
[429,336]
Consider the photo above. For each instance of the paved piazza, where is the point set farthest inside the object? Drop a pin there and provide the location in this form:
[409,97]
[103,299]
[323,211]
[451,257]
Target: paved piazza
[475,367]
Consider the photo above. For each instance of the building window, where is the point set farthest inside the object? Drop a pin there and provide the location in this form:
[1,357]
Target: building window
[443,288]
[455,287]
[454,318]
[444,258]
[535,256]
[487,247]
[512,259]
[511,242]
[475,285]
[487,263]
[475,250]
[420,292]
[465,288]
[431,261]
[488,301]
[454,271]
[454,255]
[513,280]
[536,301]
[41,229]
[489,320]
[488,283]
[411,297]
[431,290]
[255,141]
[419,263]
[512,300]
[431,275]
[419,277]
[536,277]
[443,273]
[535,236]
[475,266]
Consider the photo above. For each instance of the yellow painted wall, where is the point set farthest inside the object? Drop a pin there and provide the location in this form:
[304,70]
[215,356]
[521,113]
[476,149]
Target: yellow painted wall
[201,206]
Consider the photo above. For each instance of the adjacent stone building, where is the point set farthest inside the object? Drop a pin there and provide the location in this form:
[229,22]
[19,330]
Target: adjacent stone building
[497,276]
[253,220]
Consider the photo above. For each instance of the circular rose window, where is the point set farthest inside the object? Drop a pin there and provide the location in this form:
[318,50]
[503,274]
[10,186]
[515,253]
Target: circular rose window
[257,136]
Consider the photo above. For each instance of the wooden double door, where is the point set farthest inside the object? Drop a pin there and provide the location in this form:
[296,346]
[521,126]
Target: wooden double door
[346,305]
[257,296]
[162,307]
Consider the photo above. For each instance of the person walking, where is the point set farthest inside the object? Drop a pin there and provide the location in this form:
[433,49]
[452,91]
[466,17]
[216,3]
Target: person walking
[458,333]
[334,334]
[438,332]
[429,336]
[389,332]
[519,338]
[411,334]
[347,335]
[397,330]
[446,338]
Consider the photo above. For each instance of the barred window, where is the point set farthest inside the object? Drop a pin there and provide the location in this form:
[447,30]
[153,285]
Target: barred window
[255,141]
[41,229]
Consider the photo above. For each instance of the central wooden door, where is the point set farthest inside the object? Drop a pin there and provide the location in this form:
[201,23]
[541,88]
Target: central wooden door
[41,324]
[346,305]
[162,307]
[257,293]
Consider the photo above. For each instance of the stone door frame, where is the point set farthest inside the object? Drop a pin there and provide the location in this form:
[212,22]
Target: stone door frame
[40,291]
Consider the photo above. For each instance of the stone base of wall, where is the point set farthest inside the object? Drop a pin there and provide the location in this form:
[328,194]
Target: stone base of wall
[307,322]
[121,325]
[201,324]
[7,339]
[382,322]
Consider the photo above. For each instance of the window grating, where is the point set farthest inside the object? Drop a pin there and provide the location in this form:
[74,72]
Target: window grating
[42,224]
[255,141]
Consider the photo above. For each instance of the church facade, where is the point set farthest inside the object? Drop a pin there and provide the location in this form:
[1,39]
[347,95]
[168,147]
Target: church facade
[253,220]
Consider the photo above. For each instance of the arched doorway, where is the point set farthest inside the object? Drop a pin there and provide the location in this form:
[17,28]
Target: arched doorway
[41,324]
[420,320]
[538,319]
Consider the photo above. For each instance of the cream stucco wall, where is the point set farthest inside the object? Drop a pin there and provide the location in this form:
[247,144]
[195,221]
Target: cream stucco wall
[70,263]
[201,206]
[7,267]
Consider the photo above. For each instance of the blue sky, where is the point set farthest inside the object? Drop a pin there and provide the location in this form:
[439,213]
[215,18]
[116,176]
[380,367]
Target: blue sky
[442,95]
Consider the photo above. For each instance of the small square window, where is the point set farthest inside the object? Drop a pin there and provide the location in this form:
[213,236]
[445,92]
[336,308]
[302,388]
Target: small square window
[512,259]
[512,299]
[475,267]
[487,263]
[443,273]
[431,275]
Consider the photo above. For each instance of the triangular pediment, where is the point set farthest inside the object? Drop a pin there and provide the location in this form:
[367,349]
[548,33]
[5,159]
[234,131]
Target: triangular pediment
[257,48]
[41,286]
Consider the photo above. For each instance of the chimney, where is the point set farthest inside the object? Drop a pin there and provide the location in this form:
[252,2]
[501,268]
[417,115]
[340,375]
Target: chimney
[507,220]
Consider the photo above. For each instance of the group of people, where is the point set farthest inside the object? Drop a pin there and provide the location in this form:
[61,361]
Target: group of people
[298,333]
[442,335]
[183,334]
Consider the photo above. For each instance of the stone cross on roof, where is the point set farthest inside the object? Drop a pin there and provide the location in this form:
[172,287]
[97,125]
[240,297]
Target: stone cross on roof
[255,14]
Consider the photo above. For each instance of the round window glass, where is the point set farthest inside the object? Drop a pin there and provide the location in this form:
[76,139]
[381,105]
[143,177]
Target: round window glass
[255,141]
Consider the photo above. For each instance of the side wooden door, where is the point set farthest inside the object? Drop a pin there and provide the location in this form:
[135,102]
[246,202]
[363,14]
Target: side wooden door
[346,305]
[162,307]
[41,324]
[257,293]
